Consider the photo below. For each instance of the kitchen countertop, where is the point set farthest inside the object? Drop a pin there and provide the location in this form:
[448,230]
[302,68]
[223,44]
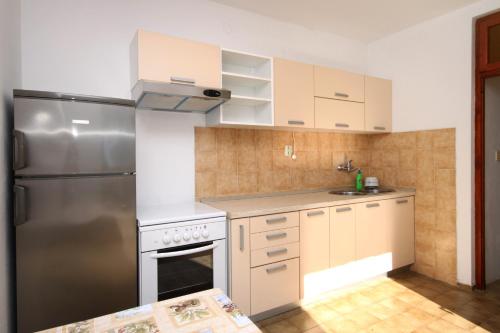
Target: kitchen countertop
[248,206]
[209,311]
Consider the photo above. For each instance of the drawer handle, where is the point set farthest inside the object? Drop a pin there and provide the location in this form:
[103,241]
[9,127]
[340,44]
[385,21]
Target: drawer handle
[296,122]
[341,125]
[344,209]
[276,268]
[402,201]
[277,252]
[183,80]
[276,235]
[242,238]
[315,213]
[339,94]
[373,205]
[276,220]
[379,128]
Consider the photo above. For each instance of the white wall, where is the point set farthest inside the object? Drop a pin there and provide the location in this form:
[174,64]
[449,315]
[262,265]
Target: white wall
[431,65]
[492,178]
[10,77]
[83,47]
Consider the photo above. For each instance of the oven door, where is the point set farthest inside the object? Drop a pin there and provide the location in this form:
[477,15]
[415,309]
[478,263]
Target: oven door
[182,270]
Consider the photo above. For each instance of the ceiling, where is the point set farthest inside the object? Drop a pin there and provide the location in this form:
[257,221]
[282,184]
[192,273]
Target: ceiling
[363,20]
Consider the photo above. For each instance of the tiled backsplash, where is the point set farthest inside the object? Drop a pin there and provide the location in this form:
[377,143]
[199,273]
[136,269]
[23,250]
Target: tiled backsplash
[245,161]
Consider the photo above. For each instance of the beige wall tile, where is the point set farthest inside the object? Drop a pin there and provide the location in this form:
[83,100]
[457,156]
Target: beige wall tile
[205,184]
[282,180]
[425,198]
[446,198]
[360,158]
[424,140]
[281,138]
[377,159]
[407,178]
[247,161]
[446,266]
[425,217]
[227,139]
[445,240]
[444,138]
[444,158]
[206,161]
[248,182]
[326,160]
[445,178]
[408,159]
[446,220]
[390,158]
[227,183]
[246,139]
[204,139]
[265,181]
[263,140]
[227,161]
[264,160]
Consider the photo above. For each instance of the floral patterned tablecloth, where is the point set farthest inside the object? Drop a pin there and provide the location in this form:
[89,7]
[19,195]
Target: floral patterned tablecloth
[209,311]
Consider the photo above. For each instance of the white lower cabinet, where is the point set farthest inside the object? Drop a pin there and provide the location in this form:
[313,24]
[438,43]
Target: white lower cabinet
[274,285]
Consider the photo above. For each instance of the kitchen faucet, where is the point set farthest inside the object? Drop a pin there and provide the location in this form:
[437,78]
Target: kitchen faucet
[347,167]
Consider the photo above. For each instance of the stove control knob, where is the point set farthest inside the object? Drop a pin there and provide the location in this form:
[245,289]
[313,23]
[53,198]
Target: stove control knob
[196,235]
[167,239]
[177,238]
[186,236]
[204,233]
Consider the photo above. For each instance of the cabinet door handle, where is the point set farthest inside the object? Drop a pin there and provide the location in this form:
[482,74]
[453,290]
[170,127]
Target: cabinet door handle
[340,94]
[277,252]
[276,268]
[402,201]
[276,235]
[344,209]
[242,237]
[379,128]
[183,80]
[296,122]
[315,213]
[19,151]
[276,220]
[372,205]
[341,125]
[20,214]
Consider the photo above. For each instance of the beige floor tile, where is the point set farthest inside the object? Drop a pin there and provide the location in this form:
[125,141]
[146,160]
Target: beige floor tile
[442,326]
[381,311]
[362,318]
[303,321]
[432,308]
[316,329]
[282,326]
[342,306]
[459,321]
[340,324]
[322,313]
[418,317]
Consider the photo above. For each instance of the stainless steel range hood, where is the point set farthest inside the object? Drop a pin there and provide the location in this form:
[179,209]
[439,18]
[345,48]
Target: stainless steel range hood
[166,96]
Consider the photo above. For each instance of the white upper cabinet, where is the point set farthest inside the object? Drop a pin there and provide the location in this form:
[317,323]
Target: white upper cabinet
[338,84]
[159,57]
[378,104]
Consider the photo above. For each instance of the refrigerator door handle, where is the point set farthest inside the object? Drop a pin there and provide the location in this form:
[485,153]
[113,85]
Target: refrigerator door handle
[19,205]
[19,154]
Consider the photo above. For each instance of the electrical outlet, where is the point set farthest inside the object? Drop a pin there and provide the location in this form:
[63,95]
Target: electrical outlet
[288,150]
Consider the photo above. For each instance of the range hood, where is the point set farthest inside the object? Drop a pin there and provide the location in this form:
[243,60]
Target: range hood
[166,96]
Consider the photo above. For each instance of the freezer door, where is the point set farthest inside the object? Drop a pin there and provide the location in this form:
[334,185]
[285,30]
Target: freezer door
[76,243]
[58,137]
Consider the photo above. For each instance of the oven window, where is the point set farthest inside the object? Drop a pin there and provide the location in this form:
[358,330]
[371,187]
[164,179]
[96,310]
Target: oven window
[182,275]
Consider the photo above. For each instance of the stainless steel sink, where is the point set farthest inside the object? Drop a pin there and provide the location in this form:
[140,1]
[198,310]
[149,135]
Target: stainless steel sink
[353,192]
[348,192]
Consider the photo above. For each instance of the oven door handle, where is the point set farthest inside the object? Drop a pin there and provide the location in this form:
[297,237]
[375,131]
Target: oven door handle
[184,252]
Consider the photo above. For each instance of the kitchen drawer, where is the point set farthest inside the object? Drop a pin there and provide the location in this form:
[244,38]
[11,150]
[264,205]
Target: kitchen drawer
[340,115]
[274,285]
[274,238]
[274,222]
[274,254]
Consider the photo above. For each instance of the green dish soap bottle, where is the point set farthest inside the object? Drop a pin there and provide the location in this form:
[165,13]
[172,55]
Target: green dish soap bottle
[359,181]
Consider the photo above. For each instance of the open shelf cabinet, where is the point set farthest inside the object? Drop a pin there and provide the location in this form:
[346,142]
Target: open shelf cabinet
[250,79]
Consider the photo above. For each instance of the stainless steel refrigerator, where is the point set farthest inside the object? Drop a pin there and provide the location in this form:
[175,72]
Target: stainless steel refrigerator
[74,207]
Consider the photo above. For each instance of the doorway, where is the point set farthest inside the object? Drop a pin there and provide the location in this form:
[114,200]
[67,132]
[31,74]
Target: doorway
[487,143]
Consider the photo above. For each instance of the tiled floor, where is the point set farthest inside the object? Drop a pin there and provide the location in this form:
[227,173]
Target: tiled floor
[407,302]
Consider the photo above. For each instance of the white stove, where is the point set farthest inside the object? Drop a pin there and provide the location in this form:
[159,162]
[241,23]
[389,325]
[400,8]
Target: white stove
[182,250]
